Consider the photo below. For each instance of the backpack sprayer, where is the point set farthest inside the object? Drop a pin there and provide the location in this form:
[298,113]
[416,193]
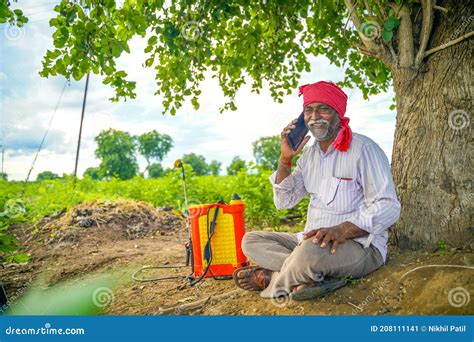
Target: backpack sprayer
[215,233]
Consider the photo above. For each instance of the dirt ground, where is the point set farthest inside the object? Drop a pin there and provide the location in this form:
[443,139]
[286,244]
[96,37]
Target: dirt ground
[101,237]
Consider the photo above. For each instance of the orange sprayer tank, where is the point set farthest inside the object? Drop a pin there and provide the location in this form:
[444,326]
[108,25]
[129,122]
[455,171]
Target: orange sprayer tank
[226,240]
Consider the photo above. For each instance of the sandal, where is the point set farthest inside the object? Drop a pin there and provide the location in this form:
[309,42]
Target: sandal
[318,290]
[252,278]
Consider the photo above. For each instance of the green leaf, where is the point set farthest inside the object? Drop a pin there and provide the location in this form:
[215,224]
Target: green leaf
[20,258]
[391,23]
[110,4]
[387,35]
[152,40]
[64,31]
[149,62]
[8,243]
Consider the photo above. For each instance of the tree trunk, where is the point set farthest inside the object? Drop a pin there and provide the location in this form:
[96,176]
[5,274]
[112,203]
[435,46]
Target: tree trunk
[432,156]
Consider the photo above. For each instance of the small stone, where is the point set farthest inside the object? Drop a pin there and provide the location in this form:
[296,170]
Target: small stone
[85,222]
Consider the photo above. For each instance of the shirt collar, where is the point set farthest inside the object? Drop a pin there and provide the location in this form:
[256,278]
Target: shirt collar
[330,149]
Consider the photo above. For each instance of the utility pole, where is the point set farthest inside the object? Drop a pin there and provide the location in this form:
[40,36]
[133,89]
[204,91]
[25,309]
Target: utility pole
[80,128]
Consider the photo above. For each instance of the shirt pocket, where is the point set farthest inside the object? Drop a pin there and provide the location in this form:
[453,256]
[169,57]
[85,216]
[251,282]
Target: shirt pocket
[341,194]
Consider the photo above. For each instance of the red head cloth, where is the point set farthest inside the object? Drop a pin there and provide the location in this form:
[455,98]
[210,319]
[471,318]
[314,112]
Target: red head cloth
[331,95]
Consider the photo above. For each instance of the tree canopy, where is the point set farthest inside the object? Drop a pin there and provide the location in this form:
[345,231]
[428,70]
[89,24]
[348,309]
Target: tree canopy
[92,173]
[153,146]
[197,162]
[46,175]
[236,165]
[116,149]
[215,167]
[155,170]
[3,176]
[266,151]
[261,41]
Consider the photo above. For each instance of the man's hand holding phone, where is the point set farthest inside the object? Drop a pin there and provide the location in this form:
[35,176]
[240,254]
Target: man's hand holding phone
[287,152]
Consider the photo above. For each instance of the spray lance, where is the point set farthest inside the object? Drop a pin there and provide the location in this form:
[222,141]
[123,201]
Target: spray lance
[188,244]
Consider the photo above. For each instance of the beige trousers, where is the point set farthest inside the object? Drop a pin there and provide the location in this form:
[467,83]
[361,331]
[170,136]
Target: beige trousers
[295,264]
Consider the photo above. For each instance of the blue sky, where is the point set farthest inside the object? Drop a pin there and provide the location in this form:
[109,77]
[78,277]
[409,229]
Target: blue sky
[27,102]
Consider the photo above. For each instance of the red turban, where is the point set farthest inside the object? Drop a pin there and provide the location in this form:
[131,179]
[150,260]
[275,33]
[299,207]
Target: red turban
[331,95]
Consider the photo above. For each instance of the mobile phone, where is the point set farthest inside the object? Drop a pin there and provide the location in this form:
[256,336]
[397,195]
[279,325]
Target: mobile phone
[296,136]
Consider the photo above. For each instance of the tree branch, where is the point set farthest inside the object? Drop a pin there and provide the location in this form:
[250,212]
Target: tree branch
[381,9]
[370,48]
[370,45]
[427,24]
[448,44]
[363,49]
[405,37]
[393,53]
[442,9]
[369,11]
[436,7]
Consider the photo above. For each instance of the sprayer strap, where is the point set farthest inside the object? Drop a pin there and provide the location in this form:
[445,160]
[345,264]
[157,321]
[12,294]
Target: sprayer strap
[207,248]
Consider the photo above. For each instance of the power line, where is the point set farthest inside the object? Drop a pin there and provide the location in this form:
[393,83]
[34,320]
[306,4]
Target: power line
[44,138]
[84,100]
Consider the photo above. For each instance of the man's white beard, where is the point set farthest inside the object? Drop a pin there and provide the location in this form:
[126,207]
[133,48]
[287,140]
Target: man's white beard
[326,131]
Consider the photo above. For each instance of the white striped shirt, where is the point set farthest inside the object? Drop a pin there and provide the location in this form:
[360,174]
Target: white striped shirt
[354,186]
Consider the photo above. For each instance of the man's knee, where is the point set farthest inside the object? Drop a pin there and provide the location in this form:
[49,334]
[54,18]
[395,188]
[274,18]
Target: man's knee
[307,256]
[313,251]
[250,241]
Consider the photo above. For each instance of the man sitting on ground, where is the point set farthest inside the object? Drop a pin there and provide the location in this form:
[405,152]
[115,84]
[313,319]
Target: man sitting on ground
[352,204]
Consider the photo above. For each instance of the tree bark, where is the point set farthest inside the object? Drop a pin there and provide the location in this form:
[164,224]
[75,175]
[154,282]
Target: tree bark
[432,155]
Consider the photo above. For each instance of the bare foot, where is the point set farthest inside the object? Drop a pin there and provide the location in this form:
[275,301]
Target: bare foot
[252,278]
